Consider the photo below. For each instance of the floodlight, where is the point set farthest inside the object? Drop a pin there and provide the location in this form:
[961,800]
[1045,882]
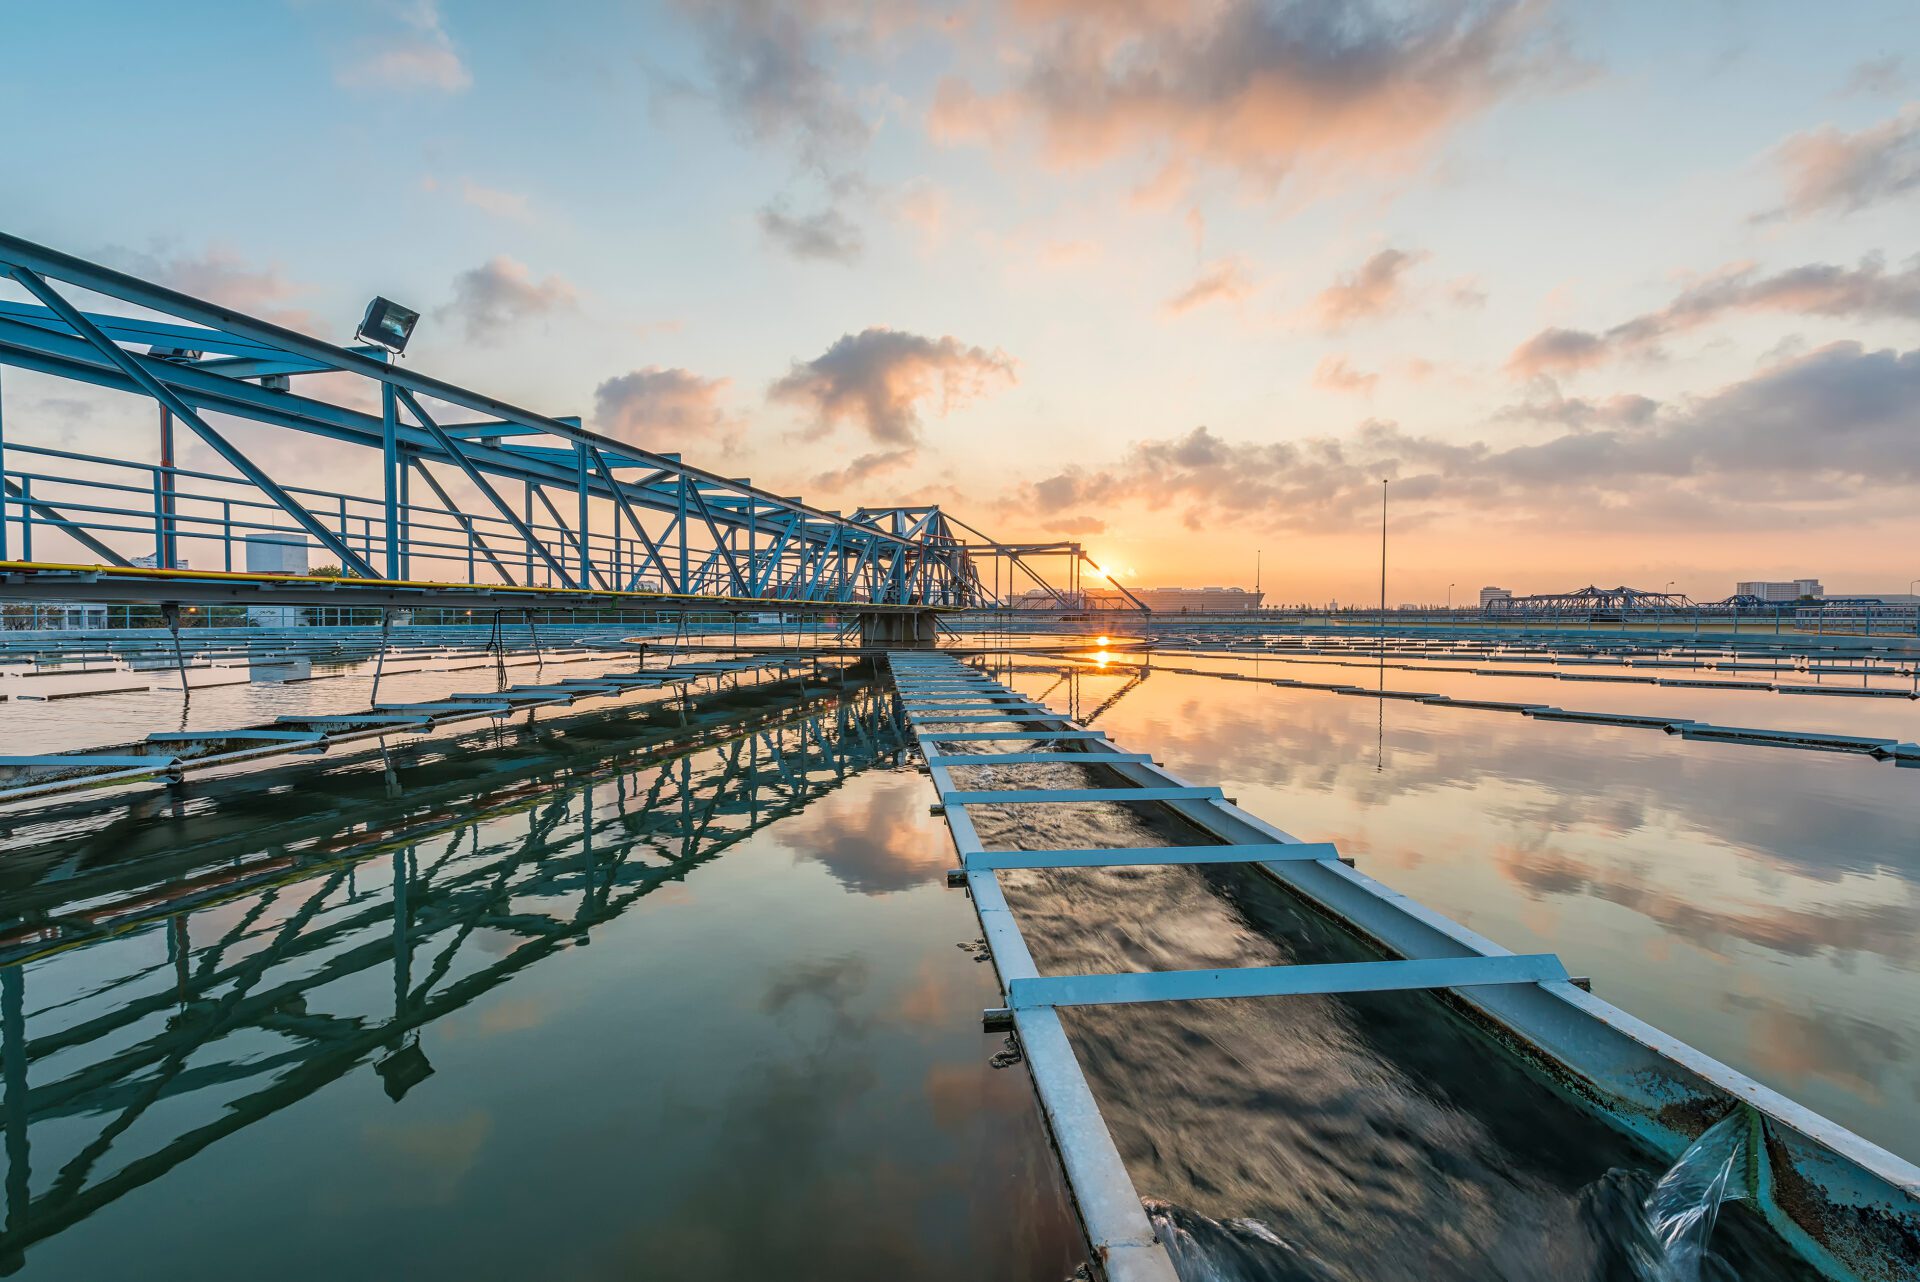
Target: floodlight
[173,353]
[388,324]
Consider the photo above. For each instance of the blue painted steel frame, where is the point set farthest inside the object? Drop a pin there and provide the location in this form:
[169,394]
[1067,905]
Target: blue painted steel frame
[727,538]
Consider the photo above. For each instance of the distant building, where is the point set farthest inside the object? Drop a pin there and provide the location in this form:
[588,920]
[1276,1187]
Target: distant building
[269,553]
[1174,600]
[65,618]
[277,553]
[1781,590]
[1159,600]
[1489,595]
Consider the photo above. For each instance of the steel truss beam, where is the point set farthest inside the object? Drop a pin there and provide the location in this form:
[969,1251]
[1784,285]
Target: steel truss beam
[730,538]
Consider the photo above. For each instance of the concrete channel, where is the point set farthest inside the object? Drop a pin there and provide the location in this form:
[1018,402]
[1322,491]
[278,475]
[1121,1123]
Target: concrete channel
[1848,1208]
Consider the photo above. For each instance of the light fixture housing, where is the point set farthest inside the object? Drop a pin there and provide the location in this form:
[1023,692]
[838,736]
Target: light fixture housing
[388,325]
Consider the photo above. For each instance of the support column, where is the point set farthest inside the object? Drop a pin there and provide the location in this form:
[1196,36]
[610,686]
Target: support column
[898,631]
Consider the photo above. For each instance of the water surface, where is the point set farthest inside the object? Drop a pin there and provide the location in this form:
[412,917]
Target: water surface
[575,1006]
[1762,903]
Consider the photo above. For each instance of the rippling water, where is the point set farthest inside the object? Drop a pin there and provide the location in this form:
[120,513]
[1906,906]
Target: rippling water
[1763,903]
[1376,1136]
[1370,1136]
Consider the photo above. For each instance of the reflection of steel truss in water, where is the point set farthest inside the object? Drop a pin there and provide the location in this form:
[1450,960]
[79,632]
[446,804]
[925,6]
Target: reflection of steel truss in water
[190,1026]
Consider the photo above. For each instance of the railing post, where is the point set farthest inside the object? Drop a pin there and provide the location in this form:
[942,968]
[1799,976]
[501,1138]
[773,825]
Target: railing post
[160,557]
[580,463]
[405,532]
[527,516]
[3,474]
[389,482]
[167,554]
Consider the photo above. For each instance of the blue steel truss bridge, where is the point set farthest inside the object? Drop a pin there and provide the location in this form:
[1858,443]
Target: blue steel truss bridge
[462,500]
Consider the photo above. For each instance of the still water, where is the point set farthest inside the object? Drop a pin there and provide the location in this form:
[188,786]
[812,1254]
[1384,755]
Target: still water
[572,1006]
[590,1001]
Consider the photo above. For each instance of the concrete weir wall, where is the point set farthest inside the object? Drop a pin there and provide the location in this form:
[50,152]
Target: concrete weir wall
[893,631]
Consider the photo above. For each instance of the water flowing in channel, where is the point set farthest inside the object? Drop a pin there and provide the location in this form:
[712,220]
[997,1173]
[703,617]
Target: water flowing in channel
[1637,1229]
[1686,1202]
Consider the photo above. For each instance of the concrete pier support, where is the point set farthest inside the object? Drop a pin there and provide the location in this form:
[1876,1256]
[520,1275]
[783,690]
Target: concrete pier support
[896,631]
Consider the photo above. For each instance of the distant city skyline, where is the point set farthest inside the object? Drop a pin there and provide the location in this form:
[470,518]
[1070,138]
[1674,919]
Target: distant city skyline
[1614,293]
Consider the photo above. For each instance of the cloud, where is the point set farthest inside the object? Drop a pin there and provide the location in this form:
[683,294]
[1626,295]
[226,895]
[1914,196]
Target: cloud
[877,380]
[1625,410]
[420,58]
[1336,375]
[1078,525]
[767,64]
[511,205]
[220,275]
[1866,292]
[1877,76]
[828,234]
[1826,170]
[667,411]
[863,468]
[1371,291]
[1807,439]
[1466,292]
[501,293]
[1225,281]
[1254,86]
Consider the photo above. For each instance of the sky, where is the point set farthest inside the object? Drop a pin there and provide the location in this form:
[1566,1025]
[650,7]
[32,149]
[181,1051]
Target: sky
[1606,292]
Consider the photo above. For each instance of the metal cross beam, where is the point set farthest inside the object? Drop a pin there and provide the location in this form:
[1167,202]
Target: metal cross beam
[640,520]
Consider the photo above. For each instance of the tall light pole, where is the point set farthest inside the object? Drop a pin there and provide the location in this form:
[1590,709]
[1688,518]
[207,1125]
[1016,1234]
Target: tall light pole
[1450,588]
[1383,568]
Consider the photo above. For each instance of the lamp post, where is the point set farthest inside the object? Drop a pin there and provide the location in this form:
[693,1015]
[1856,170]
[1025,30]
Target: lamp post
[1383,569]
[1450,588]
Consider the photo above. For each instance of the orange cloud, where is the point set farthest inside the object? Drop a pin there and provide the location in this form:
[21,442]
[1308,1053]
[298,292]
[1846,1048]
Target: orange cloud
[1336,375]
[1226,281]
[1252,87]
[666,410]
[1373,290]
